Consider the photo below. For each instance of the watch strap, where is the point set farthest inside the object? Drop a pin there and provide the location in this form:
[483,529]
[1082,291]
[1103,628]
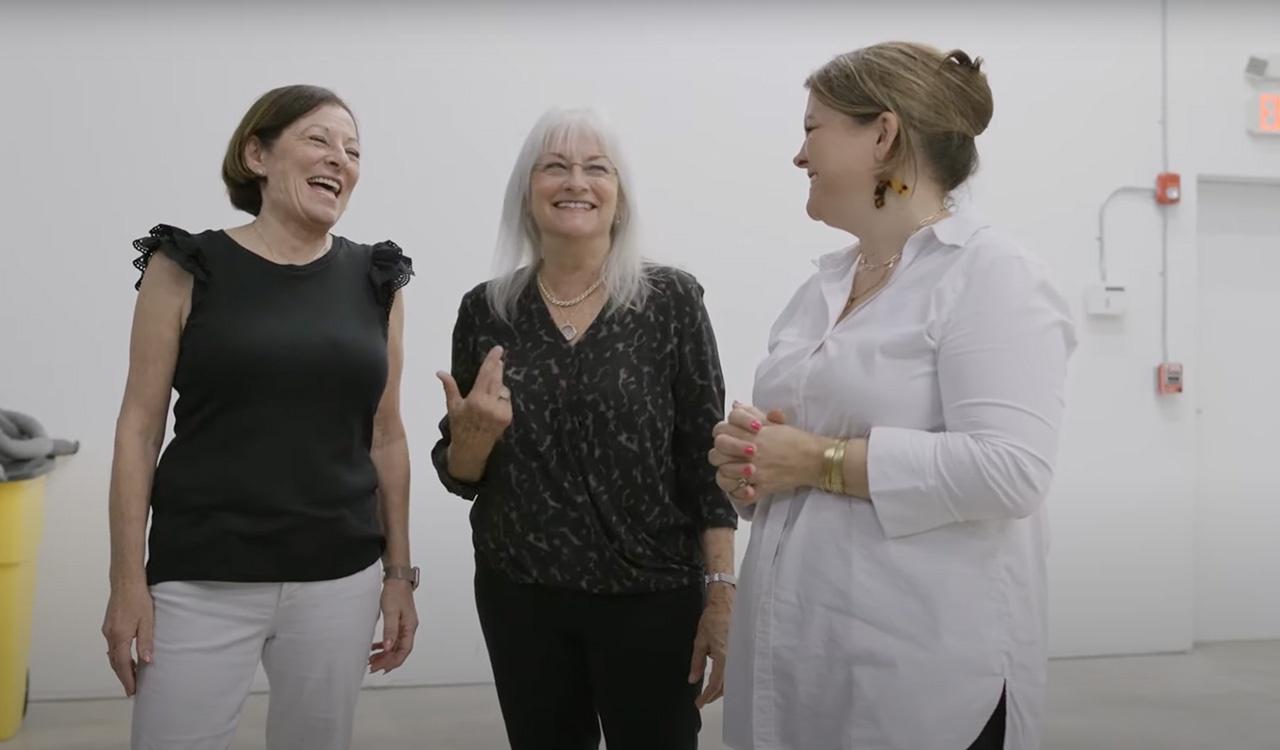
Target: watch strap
[728,578]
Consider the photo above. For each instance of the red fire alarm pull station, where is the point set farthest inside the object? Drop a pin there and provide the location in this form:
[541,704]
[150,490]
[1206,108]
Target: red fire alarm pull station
[1169,378]
[1168,188]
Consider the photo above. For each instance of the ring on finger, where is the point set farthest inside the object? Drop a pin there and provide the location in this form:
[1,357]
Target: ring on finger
[504,394]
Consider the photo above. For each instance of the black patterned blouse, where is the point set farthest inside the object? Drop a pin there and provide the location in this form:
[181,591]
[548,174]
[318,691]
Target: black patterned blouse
[601,483]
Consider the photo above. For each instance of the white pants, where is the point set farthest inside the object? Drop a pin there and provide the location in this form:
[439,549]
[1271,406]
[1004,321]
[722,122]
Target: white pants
[313,642]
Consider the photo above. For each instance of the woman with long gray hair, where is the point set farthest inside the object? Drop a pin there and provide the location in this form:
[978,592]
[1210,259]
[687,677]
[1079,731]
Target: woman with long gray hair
[585,383]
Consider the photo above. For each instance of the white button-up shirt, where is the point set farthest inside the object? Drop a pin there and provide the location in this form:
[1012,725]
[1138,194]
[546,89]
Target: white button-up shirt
[893,624]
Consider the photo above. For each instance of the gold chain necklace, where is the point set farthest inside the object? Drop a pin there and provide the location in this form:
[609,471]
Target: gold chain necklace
[546,293]
[892,261]
[568,329]
[866,265]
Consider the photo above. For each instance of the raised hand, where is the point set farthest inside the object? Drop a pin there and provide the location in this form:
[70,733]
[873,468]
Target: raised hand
[477,421]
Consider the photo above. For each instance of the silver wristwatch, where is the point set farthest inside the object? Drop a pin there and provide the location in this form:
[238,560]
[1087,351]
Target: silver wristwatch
[728,578]
[402,573]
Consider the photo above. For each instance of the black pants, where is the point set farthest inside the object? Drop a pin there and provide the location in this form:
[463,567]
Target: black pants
[992,737]
[567,663]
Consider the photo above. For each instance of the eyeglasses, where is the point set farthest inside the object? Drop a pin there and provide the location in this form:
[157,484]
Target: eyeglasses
[597,169]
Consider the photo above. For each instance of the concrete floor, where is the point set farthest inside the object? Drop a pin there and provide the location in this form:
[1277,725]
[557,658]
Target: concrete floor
[1220,697]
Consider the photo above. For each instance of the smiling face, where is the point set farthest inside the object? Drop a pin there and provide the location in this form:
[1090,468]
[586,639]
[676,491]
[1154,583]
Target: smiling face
[843,159]
[573,190]
[310,171]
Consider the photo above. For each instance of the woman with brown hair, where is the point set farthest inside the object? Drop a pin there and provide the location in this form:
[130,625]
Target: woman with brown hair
[901,441]
[279,512]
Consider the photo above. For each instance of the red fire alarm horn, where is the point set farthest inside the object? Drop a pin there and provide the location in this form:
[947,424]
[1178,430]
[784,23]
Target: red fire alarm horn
[1168,188]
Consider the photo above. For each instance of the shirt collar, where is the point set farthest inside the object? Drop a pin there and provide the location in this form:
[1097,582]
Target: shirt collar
[955,230]
[837,259]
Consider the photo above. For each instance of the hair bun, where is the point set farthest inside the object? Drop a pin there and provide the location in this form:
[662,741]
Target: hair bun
[961,58]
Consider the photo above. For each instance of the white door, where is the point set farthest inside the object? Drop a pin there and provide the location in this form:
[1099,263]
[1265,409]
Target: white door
[1238,382]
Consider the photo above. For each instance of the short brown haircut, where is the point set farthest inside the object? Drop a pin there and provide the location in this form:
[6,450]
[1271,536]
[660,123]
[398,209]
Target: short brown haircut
[274,111]
[942,102]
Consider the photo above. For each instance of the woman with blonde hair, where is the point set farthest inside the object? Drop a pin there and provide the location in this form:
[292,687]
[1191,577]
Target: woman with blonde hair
[900,442]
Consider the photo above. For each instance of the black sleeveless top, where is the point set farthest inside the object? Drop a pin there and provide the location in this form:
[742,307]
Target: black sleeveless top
[279,373]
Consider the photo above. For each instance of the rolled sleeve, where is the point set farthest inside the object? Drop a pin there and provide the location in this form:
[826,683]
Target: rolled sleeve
[463,367]
[440,457]
[1002,355]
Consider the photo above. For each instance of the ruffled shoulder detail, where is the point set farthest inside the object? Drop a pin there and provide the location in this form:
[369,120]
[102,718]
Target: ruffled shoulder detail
[178,244]
[389,270]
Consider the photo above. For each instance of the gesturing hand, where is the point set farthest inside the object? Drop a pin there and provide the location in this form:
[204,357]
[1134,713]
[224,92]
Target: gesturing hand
[485,413]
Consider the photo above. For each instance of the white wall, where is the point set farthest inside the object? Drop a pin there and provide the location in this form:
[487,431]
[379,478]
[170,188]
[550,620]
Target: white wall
[115,119]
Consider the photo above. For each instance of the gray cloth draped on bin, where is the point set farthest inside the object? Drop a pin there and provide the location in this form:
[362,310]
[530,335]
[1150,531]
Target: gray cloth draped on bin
[26,450]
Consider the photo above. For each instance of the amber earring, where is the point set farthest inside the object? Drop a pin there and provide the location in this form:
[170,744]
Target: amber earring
[883,186]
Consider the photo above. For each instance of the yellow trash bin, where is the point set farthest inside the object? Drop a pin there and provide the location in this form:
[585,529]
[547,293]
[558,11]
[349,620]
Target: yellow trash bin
[20,521]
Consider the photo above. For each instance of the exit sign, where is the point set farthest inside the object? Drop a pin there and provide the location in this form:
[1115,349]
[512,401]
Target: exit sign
[1264,113]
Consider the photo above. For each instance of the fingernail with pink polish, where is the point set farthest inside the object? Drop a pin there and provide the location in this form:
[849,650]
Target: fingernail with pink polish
[755,425]
[750,450]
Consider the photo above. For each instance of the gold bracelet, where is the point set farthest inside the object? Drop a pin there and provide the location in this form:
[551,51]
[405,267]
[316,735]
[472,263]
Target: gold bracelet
[833,467]
[837,468]
[828,458]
